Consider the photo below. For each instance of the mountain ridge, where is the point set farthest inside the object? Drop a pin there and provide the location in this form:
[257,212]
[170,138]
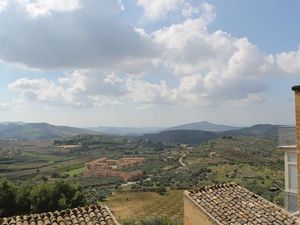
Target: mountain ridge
[203,126]
[38,131]
[198,137]
[136,131]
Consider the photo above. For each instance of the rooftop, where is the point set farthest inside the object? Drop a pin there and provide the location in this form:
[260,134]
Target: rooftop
[92,215]
[233,204]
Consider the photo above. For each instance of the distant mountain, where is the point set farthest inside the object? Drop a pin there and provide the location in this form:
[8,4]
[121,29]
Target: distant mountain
[125,130]
[204,126]
[258,130]
[198,137]
[38,131]
[181,136]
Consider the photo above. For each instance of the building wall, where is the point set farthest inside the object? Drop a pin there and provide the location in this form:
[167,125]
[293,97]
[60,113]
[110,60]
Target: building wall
[297,113]
[193,215]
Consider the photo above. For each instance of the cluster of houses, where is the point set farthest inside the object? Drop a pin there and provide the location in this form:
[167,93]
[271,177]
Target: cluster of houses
[111,168]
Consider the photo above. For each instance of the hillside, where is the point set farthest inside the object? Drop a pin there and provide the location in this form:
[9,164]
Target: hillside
[135,131]
[125,130]
[181,136]
[258,130]
[198,137]
[38,131]
[204,126]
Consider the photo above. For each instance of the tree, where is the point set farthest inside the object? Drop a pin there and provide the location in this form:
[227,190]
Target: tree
[162,190]
[7,198]
[41,198]
[56,196]
[23,198]
[37,198]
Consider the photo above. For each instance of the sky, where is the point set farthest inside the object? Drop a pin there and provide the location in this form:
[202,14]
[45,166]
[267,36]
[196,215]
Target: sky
[148,63]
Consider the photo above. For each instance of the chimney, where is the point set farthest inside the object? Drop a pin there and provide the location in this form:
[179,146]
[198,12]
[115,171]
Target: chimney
[296,90]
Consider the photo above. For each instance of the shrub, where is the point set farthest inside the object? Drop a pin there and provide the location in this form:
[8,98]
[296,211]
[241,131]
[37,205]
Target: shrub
[157,221]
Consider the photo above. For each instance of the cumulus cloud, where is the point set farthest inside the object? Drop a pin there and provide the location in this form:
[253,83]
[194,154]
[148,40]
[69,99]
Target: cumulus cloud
[79,89]
[289,62]
[189,10]
[3,4]
[195,66]
[45,7]
[90,36]
[155,9]
[211,66]
[90,88]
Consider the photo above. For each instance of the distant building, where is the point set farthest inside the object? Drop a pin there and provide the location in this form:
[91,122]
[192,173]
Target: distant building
[104,167]
[231,204]
[92,215]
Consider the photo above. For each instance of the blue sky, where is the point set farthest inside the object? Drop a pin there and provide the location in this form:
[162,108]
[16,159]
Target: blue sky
[148,63]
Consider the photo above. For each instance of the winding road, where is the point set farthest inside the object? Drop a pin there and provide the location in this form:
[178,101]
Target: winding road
[180,160]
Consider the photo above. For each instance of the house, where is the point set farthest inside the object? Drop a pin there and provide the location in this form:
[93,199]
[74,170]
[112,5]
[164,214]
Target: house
[92,215]
[289,143]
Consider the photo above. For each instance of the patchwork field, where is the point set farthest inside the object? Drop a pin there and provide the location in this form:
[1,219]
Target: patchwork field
[138,205]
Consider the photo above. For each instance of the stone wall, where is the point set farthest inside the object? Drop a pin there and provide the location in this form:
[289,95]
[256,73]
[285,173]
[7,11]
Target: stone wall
[193,215]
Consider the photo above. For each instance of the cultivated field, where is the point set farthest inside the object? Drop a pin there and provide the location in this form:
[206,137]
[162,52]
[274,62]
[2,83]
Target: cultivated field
[139,205]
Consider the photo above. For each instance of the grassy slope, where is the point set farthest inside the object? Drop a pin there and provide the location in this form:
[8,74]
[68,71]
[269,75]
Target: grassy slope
[138,205]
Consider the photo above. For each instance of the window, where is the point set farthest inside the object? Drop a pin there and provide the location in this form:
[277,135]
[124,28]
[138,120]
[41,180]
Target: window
[290,201]
[292,157]
[292,177]
[291,172]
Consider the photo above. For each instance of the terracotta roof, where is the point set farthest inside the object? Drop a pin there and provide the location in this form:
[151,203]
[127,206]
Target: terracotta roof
[92,215]
[232,204]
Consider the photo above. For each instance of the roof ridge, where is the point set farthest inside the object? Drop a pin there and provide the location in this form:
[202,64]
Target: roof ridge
[55,213]
[215,186]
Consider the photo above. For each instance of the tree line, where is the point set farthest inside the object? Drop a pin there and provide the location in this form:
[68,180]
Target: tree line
[42,197]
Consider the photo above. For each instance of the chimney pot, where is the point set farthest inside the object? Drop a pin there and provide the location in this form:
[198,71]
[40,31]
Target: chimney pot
[296,88]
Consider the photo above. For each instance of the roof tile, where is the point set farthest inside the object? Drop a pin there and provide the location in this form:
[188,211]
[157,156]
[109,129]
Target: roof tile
[232,204]
[92,215]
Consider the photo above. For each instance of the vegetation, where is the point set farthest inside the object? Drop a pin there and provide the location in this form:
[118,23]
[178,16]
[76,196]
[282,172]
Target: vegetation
[42,197]
[139,205]
[251,161]
[151,221]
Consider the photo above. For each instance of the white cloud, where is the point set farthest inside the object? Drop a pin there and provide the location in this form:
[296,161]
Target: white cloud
[37,8]
[3,4]
[79,89]
[195,66]
[4,106]
[144,92]
[289,62]
[211,67]
[92,36]
[250,99]
[189,10]
[155,9]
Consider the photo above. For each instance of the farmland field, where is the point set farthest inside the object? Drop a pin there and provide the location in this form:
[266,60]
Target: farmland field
[139,205]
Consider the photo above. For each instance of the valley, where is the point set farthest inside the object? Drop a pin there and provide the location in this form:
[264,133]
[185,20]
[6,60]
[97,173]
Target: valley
[169,168]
